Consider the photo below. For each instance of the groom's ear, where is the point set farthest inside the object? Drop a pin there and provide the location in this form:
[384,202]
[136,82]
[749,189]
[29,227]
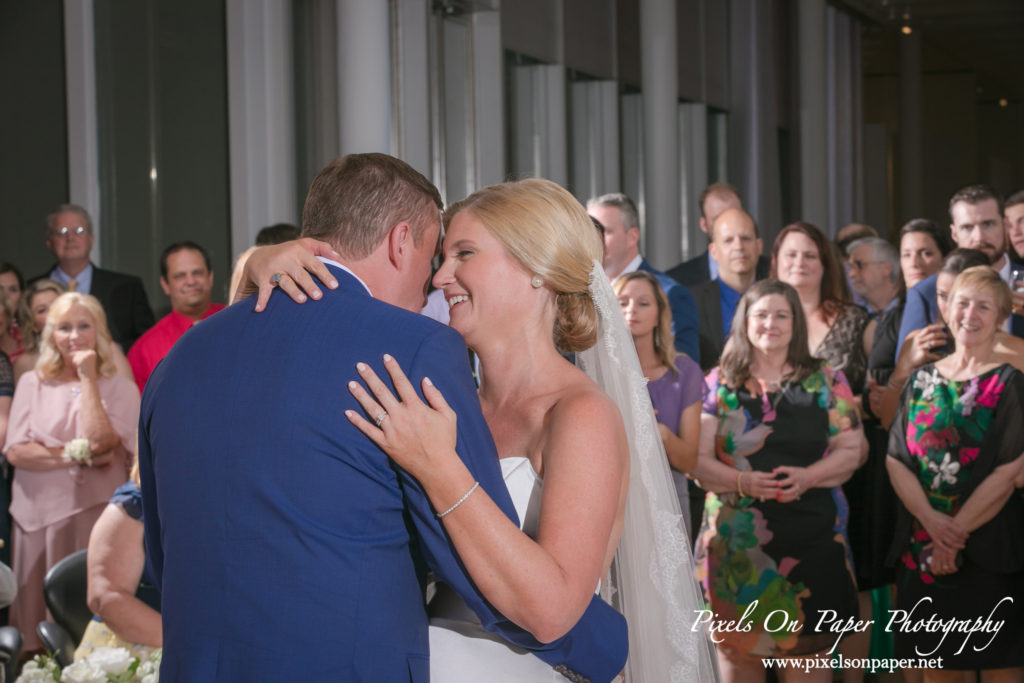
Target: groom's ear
[399,244]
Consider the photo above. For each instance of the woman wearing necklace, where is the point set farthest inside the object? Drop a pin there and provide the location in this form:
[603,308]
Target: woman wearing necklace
[72,423]
[779,435]
[674,381]
[955,449]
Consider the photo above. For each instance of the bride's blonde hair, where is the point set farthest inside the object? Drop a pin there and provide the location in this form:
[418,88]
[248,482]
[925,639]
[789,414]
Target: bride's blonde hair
[549,233]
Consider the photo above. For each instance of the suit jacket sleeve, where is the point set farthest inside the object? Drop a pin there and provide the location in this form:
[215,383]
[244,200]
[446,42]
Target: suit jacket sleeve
[150,509]
[142,314]
[916,315]
[684,321]
[125,303]
[596,646]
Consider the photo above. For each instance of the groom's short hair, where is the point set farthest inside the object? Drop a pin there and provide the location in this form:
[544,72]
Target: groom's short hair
[355,201]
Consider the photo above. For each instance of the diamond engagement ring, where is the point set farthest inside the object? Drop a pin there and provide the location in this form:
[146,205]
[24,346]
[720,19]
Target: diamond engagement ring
[380,419]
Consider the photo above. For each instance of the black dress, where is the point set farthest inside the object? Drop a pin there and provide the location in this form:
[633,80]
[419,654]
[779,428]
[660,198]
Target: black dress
[778,562]
[868,491]
[951,435]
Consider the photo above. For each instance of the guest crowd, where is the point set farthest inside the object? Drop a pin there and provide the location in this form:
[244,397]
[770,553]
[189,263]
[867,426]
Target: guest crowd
[842,420]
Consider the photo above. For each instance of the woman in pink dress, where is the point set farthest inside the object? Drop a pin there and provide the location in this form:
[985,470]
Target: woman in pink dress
[73,403]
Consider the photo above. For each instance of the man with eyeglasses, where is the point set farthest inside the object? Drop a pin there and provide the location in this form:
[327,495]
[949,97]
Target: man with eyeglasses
[69,238]
[873,268]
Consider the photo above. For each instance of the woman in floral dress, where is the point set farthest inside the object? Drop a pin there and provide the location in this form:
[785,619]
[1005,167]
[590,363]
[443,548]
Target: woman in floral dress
[779,434]
[954,451]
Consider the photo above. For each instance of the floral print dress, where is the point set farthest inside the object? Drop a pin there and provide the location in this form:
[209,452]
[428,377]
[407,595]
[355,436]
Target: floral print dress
[777,568]
[952,434]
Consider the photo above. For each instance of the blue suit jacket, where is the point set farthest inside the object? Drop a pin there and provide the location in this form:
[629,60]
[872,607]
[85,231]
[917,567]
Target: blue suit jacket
[684,312]
[923,309]
[286,545]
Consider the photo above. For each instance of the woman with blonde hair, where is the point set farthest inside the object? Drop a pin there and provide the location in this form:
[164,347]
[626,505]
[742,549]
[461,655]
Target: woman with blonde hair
[71,429]
[523,279]
[674,381]
[32,309]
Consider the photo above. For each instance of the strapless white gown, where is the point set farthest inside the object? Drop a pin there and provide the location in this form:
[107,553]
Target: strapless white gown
[460,648]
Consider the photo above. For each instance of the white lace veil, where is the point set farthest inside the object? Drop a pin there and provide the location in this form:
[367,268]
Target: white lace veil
[651,580]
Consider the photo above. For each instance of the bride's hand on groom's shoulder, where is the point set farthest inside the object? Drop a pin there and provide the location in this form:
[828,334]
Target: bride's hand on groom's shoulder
[290,266]
[417,436]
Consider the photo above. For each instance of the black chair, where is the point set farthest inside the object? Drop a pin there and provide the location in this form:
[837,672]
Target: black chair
[64,590]
[10,650]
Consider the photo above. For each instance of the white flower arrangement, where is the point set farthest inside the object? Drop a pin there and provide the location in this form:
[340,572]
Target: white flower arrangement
[103,665]
[78,451]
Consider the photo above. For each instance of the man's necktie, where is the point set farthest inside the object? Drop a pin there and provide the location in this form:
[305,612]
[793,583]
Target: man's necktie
[72,285]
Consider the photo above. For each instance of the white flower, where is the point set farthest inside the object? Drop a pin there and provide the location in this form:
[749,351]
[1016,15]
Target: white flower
[946,471]
[32,673]
[151,678]
[82,672]
[78,450]
[927,382]
[111,660]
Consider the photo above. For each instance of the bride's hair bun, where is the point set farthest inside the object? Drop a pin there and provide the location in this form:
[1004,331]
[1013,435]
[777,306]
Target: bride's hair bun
[550,234]
[576,324]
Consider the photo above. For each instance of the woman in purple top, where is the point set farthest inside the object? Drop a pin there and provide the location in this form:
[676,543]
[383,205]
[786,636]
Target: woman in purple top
[675,382]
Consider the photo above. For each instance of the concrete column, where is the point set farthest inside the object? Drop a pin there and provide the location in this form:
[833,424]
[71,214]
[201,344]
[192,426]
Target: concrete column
[753,141]
[412,105]
[261,114]
[910,204]
[660,85]
[693,172]
[812,60]
[364,76]
[487,100]
[594,130]
[83,126]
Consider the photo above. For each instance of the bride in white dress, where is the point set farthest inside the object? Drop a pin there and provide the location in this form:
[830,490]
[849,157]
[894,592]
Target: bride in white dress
[523,280]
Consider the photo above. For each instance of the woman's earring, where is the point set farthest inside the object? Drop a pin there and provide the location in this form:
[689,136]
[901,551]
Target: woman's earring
[537,282]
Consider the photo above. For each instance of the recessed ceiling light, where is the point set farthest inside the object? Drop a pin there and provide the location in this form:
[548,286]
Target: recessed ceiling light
[1003,102]
[906,30]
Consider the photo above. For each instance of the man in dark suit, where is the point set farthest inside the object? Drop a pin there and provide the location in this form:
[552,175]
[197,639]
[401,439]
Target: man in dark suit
[715,199]
[621,221]
[69,238]
[735,247]
[286,545]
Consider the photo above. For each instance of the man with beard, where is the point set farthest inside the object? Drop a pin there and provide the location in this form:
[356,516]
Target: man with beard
[976,215]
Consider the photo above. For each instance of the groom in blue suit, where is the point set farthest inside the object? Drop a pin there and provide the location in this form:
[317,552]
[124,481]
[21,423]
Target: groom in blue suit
[285,544]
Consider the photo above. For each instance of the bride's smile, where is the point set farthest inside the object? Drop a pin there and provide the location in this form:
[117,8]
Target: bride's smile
[488,292]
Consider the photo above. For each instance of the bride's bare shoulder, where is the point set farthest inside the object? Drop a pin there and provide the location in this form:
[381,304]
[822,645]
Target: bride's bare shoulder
[582,408]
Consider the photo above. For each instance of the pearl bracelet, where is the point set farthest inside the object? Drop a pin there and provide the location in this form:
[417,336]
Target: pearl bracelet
[460,501]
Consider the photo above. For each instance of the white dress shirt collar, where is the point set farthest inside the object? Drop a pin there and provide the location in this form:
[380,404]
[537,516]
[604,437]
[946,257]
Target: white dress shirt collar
[347,270]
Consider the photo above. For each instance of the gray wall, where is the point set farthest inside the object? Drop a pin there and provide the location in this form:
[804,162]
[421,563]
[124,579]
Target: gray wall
[33,128]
